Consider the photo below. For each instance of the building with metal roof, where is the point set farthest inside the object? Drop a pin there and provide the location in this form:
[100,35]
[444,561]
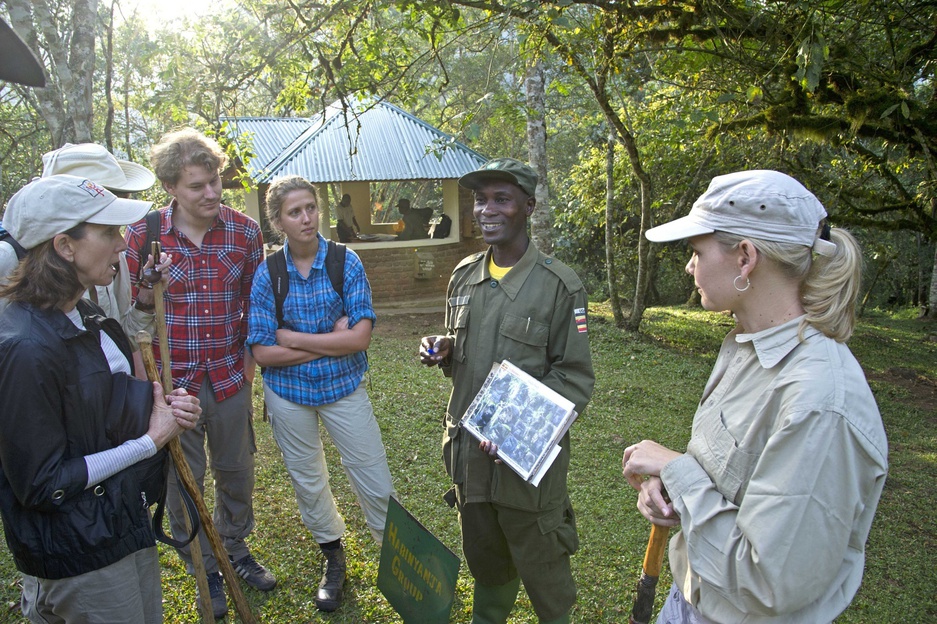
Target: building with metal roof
[377,153]
[360,141]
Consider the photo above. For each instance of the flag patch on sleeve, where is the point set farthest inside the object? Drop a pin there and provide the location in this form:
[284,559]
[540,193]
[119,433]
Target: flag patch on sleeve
[580,316]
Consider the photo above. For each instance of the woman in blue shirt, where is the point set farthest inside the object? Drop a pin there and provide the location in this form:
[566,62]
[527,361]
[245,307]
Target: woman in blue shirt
[314,367]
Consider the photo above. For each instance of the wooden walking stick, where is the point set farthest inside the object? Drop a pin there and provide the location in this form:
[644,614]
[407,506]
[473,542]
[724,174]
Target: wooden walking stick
[175,451]
[187,479]
[647,584]
[175,448]
[184,472]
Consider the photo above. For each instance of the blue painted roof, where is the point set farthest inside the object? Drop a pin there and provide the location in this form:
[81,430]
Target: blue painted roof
[368,141]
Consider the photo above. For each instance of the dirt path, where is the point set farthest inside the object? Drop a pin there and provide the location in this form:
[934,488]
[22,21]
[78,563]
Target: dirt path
[405,324]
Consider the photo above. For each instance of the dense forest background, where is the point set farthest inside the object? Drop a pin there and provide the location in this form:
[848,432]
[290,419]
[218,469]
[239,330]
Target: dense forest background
[627,108]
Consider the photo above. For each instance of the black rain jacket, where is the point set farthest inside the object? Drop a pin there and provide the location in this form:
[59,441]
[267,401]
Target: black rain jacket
[55,386]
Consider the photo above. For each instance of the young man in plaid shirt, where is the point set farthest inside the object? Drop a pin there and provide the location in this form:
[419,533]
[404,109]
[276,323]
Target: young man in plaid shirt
[215,252]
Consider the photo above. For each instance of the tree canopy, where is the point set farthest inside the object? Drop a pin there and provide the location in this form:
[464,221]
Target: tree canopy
[839,94]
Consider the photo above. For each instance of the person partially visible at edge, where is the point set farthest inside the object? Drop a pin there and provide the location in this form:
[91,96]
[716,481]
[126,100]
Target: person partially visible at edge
[215,251]
[347,224]
[18,63]
[776,491]
[314,367]
[72,512]
[122,178]
[513,303]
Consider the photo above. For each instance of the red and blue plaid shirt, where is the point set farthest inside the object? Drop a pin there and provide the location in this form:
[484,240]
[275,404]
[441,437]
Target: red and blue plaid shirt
[207,298]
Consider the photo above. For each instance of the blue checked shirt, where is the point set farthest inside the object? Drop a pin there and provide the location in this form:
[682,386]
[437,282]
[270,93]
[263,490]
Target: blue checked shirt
[312,306]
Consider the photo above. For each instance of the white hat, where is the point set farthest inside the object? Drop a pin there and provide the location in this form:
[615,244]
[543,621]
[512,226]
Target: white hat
[761,204]
[49,206]
[93,161]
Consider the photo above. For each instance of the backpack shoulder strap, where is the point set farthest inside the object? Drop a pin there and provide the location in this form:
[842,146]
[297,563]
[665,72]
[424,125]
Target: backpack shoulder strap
[7,238]
[335,267]
[279,281]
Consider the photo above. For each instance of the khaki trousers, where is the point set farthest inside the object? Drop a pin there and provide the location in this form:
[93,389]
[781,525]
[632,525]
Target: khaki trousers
[227,427]
[125,591]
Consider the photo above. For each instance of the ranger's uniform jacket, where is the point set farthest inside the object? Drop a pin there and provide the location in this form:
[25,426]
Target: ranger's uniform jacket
[535,318]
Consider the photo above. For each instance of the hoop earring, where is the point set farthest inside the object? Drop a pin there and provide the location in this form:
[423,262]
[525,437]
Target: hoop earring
[735,283]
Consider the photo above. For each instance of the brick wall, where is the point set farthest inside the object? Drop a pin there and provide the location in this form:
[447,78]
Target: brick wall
[398,275]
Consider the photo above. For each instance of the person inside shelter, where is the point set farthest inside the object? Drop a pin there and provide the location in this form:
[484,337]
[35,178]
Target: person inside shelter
[347,227]
[415,221]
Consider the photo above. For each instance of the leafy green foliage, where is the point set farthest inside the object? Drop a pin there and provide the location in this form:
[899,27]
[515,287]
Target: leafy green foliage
[839,95]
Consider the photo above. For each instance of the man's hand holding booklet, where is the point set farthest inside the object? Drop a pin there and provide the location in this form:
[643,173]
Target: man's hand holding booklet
[523,417]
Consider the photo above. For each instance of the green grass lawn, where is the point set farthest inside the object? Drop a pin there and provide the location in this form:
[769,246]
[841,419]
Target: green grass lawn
[647,387]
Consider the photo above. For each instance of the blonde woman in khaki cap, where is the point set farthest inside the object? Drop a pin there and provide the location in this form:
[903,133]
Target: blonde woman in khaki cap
[777,488]
[72,511]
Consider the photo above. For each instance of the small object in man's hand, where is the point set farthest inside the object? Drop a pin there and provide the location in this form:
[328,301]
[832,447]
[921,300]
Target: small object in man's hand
[150,277]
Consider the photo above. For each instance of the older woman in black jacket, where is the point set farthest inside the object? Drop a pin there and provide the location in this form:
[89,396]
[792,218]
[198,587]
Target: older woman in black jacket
[73,512]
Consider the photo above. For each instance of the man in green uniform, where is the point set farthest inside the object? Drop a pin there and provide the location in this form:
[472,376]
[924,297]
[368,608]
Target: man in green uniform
[511,302]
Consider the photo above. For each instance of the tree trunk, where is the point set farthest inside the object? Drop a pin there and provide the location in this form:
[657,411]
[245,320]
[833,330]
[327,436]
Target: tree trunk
[48,100]
[597,83]
[610,265]
[886,260]
[627,139]
[81,61]
[108,78]
[932,297]
[919,299]
[541,221]
[129,148]
[644,253]
[65,103]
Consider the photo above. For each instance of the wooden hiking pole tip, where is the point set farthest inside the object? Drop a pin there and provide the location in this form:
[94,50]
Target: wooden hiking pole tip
[647,584]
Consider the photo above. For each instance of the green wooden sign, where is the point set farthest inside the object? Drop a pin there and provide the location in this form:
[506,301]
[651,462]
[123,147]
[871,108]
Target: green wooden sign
[417,573]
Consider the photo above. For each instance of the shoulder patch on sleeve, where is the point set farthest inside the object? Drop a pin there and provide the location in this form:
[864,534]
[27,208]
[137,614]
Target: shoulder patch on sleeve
[579,315]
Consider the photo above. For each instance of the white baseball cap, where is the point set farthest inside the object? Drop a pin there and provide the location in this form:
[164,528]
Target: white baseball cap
[93,161]
[763,204]
[49,206]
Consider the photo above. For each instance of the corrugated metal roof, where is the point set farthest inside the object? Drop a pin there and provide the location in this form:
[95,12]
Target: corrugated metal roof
[267,136]
[368,141]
